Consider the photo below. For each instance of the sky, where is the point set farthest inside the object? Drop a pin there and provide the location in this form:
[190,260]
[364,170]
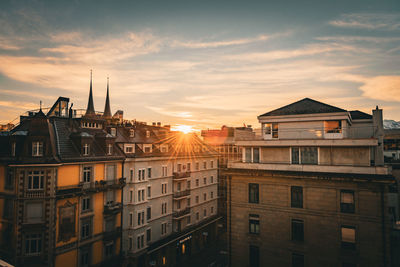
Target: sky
[200,63]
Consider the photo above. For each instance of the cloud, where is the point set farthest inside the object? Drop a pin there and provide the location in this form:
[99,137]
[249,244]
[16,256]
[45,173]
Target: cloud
[368,21]
[382,87]
[192,44]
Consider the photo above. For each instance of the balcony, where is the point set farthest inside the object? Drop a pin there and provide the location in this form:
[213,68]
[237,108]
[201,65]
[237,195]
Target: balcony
[181,194]
[96,186]
[34,193]
[112,208]
[180,175]
[112,233]
[181,213]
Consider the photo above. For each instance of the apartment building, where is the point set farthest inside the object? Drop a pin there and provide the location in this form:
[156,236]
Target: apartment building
[313,192]
[60,192]
[170,200]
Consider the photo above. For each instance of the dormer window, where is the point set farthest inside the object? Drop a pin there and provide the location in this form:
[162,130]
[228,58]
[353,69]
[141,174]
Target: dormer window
[13,148]
[164,148]
[333,126]
[147,134]
[131,133]
[86,149]
[129,149]
[147,148]
[37,149]
[113,131]
[109,149]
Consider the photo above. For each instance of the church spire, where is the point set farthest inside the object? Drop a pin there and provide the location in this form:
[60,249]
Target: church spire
[90,106]
[107,109]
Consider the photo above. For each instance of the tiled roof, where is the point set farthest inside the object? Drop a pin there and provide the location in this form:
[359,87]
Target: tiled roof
[304,106]
[359,115]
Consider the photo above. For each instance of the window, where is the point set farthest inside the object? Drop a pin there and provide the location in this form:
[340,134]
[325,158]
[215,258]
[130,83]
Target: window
[247,154]
[147,134]
[131,196]
[253,193]
[297,260]
[188,202]
[85,204]
[87,174]
[86,229]
[164,208]
[109,149]
[204,180]
[197,166]
[256,155]
[205,165]
[113,131]
[188,220]
[205,196]
[84,257]
[296,193]
[205,213]
[197,182]
[212,194]
[147,148]
[129,149]
[148,235]
[131,175]
[197,199]
[148,191]
[212,179]
[164,171]
[35,180]
[347,201]
[131,133]
[163,228]
[178,187]
[348,234]
[271,130]
[140,217]
[179,167]
[297,230]
[212,210]
[333,126]
[37,149]
[178,204]
[13,149]
[9,181]
[34,212]
[141,174]
[254,256]
[130,243]
[148,212]
[188,184]
[309,155]
[254,224]
[149,172]
[164,188]
[295,159]
[9,209]
[188,167]
[109,250]
[140,195]
[140,241]
[86,149]
[197,216]
[211,164]
[164,148]
[131,219]
[33,244]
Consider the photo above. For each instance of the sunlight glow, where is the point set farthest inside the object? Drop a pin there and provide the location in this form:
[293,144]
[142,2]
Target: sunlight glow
[183,128]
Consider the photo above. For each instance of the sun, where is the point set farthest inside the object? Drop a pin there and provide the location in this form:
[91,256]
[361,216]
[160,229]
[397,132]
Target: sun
[183,128]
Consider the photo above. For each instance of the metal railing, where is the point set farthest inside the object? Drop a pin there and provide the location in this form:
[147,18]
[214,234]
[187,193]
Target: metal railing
[183,193]
[181,213]
[180,175]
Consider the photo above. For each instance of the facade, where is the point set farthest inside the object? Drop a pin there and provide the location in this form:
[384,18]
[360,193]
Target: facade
[170,197]
[392,145]
[61,188]
[313,192]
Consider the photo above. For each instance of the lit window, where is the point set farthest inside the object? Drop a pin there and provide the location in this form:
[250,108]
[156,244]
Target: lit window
[37,149]
[271,130]
[254,224]
[348,234]
[333,126]
[347,201]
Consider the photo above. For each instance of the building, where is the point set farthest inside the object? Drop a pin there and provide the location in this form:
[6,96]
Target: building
[313,192]
[61,188]
[392,145]
[170,199]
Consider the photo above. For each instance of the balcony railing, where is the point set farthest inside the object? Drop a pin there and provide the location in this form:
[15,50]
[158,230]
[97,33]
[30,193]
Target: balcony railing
[34,193]
[112,208]
[180,213]
[181,175]
[91,186]
[112,233]
[180,194]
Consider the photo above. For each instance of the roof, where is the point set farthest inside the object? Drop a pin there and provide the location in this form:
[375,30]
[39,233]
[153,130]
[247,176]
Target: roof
[304,106]
[359,115]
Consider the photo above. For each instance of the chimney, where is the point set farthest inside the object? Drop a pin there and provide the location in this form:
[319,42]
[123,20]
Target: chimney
[377,119]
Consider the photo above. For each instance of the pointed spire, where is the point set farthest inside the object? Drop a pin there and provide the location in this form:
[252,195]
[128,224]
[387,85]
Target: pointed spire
[90,106]
[107,109]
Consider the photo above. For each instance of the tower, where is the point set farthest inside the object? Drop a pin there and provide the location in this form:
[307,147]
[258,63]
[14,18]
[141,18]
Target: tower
[107,109]
[90,106]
